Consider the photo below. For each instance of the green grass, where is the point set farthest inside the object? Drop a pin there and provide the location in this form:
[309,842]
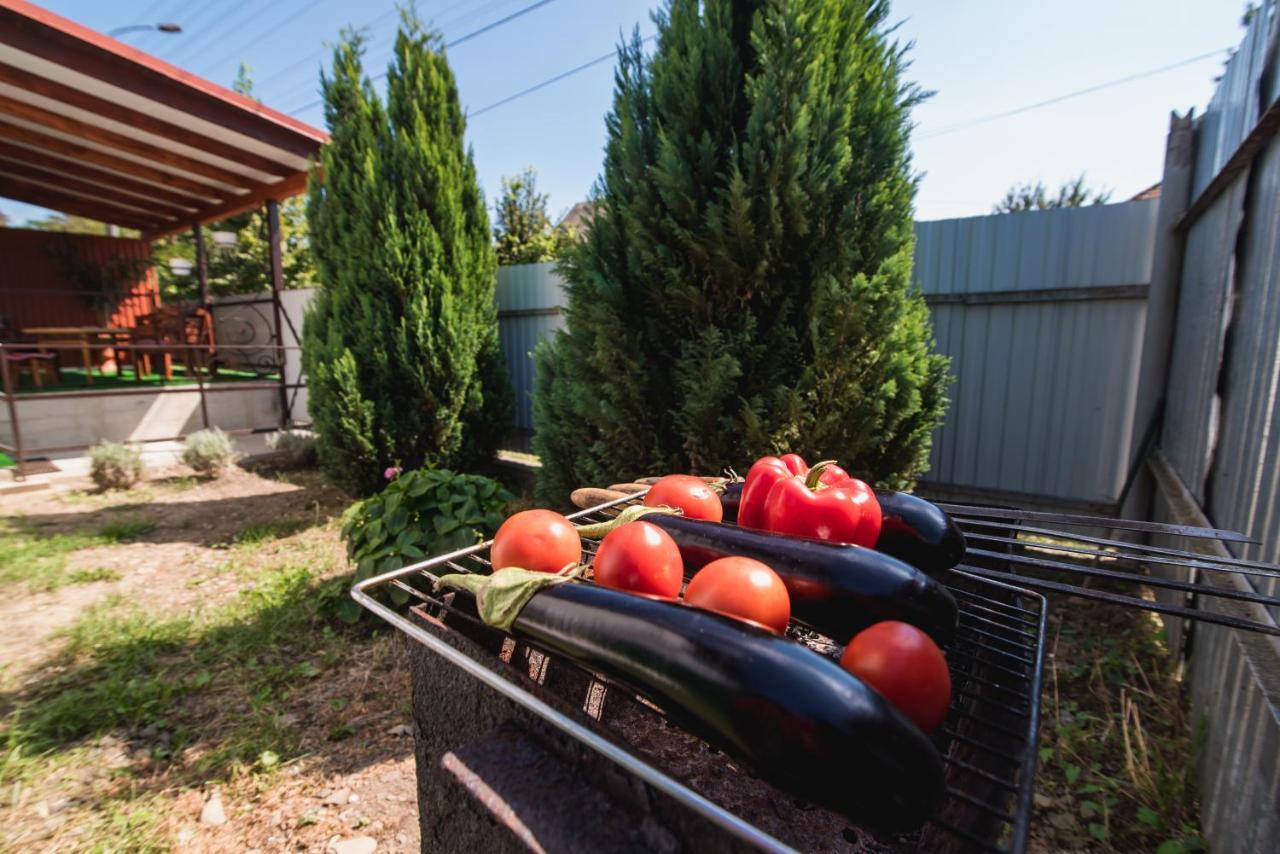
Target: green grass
[75,379]
[257,533]
[1117,755]
[39,559]
[213,681]
[6,461]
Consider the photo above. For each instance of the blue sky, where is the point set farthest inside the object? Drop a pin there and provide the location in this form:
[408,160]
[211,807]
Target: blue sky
[982,57]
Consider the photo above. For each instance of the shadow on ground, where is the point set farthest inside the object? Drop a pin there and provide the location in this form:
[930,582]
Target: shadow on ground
[177,701]
[171,517]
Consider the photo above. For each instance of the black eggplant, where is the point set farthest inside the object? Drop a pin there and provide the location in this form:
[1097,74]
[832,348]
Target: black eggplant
[730,499]
[796,717]
[836,588]
[919,532]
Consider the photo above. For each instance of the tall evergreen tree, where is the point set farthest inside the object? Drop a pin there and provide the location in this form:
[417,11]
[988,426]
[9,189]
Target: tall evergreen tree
[522,231]
[745,283]
[401,343]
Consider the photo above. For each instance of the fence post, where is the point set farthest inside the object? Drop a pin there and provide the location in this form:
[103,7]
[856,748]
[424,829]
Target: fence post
[1162,309]
[277,286]
[12,403]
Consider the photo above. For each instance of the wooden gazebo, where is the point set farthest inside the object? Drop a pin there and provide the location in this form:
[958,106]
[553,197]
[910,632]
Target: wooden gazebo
[92,127]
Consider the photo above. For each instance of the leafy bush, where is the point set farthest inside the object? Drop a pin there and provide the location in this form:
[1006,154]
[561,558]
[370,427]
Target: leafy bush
[115,466]
[295,449]
[744,283]
[400,344]
[429,511]
[209,452]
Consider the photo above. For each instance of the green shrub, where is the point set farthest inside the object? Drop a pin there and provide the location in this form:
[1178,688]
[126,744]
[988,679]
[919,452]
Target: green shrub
[297,450]
[115,466]
[424,512]
[744,283]
[209,452]
[401,341]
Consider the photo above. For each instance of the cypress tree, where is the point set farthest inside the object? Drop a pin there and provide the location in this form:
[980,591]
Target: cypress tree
[401,343]
[744,286]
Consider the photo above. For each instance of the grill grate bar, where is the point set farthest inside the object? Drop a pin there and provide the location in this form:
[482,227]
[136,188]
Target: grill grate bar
[971,656]
[994,638]
[993,686]
[1017,631]
[978,772]
[1184,557]
[995,812]
[981,721]
[1123,556]
[1018,614]
[986,748]
[1128,601]
[1129,577]
[964,512]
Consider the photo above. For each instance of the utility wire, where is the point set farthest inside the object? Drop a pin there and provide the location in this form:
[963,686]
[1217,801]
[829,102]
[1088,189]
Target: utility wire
[242,49]
[1060,98]
[549,81]
[460,40]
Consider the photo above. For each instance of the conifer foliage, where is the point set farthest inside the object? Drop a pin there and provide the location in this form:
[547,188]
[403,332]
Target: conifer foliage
[745,283]
[401,344]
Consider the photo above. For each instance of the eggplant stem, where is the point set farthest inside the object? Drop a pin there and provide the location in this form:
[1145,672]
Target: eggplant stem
[598,530]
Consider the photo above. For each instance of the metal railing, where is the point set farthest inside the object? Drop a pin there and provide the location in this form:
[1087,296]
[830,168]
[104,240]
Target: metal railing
[201,359]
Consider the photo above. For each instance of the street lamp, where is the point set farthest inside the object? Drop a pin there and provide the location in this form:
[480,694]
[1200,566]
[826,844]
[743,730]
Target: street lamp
[167,27]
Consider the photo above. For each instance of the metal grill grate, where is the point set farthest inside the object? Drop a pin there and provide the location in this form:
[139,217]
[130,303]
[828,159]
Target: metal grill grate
[988,741]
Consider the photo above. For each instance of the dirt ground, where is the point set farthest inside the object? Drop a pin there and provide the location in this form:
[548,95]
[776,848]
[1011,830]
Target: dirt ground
[336,768]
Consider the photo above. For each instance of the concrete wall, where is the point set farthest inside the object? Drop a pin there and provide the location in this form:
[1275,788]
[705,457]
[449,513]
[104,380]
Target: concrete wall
[120,416]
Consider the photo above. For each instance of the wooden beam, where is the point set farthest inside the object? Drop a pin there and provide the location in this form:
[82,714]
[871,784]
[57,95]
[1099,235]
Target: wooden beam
[291,186]
[102,158]
[85,188]
[51,37]
[75,169]
[134,118]
[102,136]
[1268,126]
[46,198]
[202,264]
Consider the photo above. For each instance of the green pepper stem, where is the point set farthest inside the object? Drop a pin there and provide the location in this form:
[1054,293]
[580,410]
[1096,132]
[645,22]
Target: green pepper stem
[814,478]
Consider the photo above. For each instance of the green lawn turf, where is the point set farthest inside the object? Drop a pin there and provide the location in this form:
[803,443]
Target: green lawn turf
[74,379]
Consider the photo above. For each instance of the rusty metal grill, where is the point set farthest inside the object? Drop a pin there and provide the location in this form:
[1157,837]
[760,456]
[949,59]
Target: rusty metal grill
[988,741]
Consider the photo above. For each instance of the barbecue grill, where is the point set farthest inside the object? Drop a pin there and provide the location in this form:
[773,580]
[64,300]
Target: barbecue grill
[678,792]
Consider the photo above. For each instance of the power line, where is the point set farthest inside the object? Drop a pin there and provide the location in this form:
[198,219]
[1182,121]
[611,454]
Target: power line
[1060,98]
[241,50]
[460,40]
[550,80]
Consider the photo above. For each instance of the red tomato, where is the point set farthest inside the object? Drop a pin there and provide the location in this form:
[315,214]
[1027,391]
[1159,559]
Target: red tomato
[744,588]
[687,493]
[906,666]
[640,557]
[538,540]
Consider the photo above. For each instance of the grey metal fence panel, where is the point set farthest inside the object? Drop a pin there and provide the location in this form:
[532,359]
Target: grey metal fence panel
[529,297]
[1222,433]
[1045,382]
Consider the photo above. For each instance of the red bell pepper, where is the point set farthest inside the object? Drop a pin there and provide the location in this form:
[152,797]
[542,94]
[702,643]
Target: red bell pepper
[804,505]
[764,473]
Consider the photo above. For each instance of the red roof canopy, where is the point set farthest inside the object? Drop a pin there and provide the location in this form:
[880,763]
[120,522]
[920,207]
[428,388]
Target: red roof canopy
[95,128]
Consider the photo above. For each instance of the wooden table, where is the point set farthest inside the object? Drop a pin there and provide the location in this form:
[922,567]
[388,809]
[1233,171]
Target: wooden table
[85,336]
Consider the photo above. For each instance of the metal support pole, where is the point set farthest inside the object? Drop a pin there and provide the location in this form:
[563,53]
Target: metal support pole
[277,287]
[12,403]
[202,265]
[192,357]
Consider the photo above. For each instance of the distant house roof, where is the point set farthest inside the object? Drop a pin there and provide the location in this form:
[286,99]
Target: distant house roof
[576,218]
[1152,192]
[95,128]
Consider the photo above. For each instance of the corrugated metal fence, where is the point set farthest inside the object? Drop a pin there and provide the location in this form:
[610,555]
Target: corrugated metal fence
[529,299]
[1221,432]
[1042,314]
